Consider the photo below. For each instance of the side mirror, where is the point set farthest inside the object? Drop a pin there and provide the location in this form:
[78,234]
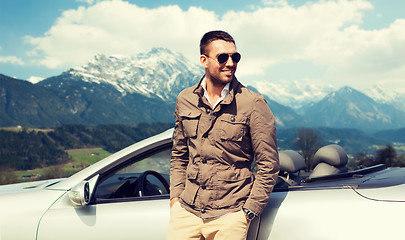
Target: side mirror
[80,194]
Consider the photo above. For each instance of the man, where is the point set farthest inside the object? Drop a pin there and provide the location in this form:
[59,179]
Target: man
[221,126]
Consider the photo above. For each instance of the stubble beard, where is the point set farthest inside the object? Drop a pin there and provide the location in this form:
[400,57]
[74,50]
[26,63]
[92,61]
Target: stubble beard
[218,82]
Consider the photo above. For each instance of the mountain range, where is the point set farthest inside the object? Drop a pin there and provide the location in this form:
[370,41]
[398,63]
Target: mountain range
[349,108]
[107,90]
[301,94]
[143,88]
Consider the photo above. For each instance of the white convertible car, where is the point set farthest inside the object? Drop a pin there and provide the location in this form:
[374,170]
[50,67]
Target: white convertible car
[125,196]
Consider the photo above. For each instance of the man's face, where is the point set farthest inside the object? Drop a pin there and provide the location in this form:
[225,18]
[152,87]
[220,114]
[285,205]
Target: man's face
[219,74]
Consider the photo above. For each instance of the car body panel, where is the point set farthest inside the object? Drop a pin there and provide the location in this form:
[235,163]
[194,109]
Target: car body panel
[141,219]
[329,214]
[21,212]
[386,185]
[384,194]
[27,186]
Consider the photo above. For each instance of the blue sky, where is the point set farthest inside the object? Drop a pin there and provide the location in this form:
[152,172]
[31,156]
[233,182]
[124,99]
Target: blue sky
[341,42]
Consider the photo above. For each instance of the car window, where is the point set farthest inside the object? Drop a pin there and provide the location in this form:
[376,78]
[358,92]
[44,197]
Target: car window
[148,176]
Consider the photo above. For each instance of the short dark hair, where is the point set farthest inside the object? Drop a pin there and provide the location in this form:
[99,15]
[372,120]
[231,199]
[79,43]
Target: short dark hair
[212,36]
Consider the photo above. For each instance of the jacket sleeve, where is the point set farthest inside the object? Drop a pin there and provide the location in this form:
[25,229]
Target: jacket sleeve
[264,144]
[179,159]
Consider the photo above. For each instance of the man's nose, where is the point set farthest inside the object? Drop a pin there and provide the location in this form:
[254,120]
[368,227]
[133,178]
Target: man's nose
[230,62]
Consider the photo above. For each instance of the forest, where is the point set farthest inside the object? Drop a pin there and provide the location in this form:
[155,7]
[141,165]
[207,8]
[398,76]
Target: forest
[28,149]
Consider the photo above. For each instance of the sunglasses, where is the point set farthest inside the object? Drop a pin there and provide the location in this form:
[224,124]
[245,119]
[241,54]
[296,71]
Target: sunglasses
[223,57]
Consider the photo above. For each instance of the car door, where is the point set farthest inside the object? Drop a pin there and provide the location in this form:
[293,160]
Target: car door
[120,207]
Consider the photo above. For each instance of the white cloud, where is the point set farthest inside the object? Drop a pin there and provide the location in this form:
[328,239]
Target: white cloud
[275,2]
[120,28]
[326,33]
[11,59]
[362,56]
[89,2]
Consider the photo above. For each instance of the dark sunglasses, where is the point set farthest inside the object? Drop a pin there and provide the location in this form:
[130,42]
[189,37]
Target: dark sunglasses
[223,57]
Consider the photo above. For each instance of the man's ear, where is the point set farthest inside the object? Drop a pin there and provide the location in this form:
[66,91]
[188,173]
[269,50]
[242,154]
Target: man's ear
[203,60]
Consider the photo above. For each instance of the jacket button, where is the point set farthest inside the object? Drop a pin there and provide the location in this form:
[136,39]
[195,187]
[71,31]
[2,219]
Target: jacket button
[232,119]
[208,110]
[204,161]
[203,210]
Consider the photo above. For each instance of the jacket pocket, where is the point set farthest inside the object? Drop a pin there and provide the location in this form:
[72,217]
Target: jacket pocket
[233,187]
[190,191]
[190,120]
[233,128]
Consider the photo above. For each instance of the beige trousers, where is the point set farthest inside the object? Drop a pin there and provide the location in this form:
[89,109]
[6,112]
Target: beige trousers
[185,225]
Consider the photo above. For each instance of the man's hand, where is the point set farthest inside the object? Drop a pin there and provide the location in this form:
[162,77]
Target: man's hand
[173,201]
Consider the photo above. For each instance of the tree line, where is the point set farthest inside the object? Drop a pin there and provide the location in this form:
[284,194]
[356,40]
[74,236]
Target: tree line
[308,142]
[28,150]
[25,150]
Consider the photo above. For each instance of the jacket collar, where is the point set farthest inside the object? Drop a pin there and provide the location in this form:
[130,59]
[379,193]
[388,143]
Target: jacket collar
[232,89]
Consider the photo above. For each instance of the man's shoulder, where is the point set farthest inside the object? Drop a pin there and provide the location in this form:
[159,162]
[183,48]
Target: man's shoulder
[187,92]
[248,94]
[187,98]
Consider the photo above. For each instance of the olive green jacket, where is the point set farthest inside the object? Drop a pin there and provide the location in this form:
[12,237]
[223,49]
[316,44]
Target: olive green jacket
[213,151]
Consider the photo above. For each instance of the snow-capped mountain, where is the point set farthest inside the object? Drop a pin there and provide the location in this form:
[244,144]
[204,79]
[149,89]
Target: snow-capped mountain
[118,89]
[285,116]
[349,108]
[380,95]
[301,95]
[159,73]
[295,94]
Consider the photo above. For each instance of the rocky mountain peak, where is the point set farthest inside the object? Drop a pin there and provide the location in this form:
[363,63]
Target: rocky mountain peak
[349,108]
[159,72]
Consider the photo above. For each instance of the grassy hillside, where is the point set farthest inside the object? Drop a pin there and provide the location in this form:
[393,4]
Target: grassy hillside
[80,158]
[27,154]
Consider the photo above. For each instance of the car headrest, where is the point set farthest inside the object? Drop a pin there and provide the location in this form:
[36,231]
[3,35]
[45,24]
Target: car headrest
[323,169]
[291,161]
[333,154]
